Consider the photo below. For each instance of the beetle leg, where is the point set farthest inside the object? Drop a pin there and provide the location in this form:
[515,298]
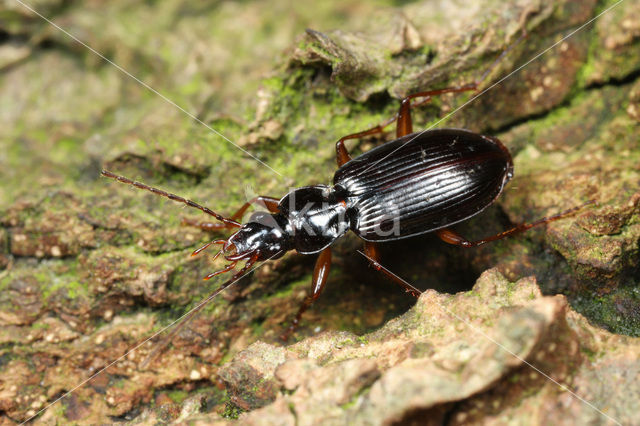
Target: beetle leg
[269,202]
[342,155]
[372,253]
[320,274]
[452,237]
[405,126]
[403,116]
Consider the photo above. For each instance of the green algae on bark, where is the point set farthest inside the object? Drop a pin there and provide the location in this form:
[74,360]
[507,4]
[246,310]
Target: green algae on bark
[89,268]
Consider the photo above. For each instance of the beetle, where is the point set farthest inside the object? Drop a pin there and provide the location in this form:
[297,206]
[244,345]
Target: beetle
[417,183]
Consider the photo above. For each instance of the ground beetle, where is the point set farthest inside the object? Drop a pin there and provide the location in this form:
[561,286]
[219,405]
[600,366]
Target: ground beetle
[418,183]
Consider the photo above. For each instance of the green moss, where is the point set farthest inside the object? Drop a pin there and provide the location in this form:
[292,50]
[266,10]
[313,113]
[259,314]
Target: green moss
[363,340]
[617,311]
[232,411]
[178,395]
[588,68]
[40,326]
[514,378]
[67,151]
[59,411]
[257,327]
[589,353]
[356,397]
[511,288]
[59,278]
[346,342]
[284,292]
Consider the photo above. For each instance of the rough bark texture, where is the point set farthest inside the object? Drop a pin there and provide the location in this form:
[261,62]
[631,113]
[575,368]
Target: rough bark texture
[90,268]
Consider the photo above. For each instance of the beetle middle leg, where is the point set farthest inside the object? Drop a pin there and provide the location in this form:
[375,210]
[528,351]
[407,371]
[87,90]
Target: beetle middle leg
[269,202]
[320,274]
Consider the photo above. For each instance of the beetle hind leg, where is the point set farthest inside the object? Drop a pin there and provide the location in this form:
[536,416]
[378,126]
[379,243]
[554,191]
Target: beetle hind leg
[452,237]
[372,253]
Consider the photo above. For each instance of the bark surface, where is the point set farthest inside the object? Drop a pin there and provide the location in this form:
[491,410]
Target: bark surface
[90,268]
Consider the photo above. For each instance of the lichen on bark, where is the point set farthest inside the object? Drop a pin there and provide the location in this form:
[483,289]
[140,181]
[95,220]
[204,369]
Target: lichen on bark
[89,269]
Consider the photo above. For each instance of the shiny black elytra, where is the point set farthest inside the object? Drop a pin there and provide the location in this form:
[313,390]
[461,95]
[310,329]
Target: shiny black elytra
[418,183]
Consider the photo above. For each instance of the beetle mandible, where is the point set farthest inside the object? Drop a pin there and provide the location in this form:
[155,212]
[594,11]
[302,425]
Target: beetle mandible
[417,183]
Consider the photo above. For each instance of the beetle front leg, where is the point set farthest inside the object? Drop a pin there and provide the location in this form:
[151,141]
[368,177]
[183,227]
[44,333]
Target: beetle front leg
[320,274]
[269,202]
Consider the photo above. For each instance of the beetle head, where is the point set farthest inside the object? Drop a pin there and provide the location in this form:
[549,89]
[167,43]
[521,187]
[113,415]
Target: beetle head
[266,235]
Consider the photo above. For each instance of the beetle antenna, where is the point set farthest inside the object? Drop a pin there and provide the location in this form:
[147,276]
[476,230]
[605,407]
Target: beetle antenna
[171,196]
[189,316]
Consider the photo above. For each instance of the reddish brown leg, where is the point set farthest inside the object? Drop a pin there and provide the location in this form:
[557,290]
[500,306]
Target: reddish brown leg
[403,117]
[320,274]
[342,155]
[222,271]
[269,202]
[372,253]
[452,237]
